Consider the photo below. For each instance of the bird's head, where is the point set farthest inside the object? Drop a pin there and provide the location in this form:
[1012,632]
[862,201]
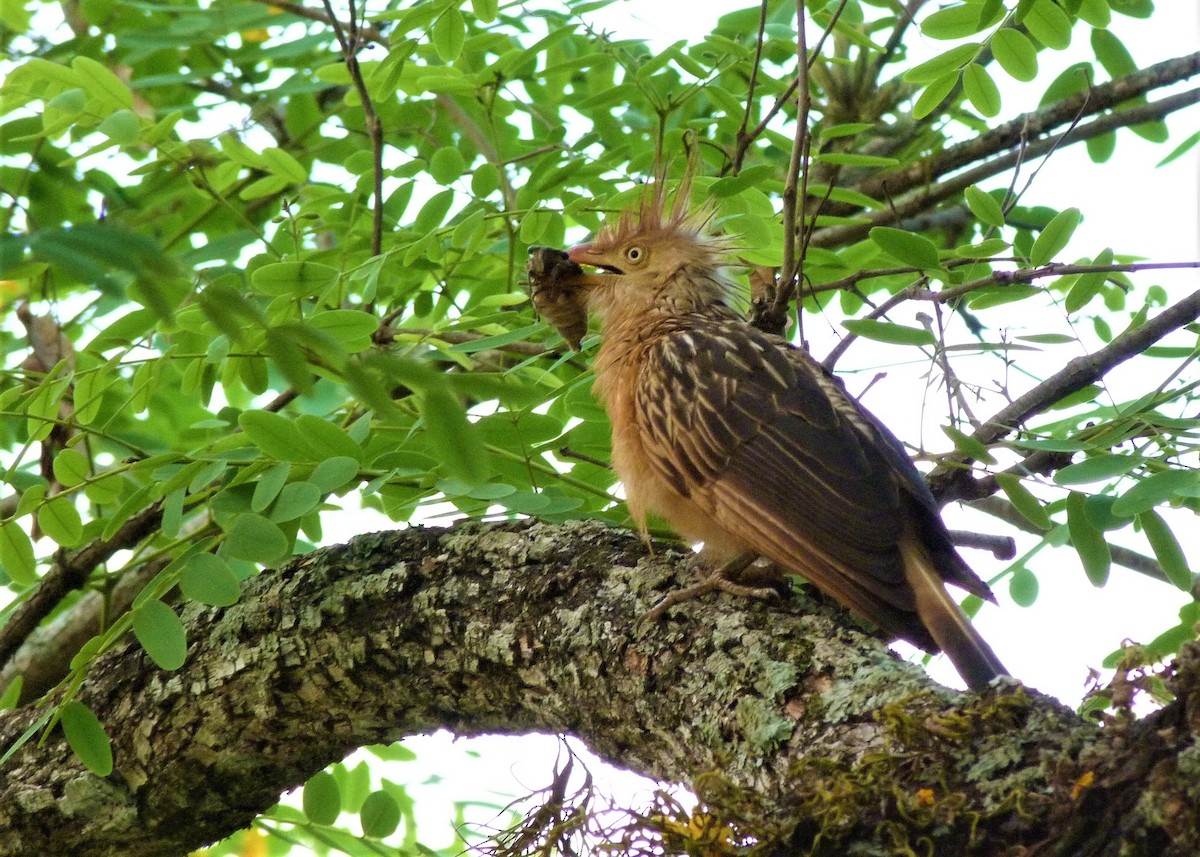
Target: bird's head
[655,257]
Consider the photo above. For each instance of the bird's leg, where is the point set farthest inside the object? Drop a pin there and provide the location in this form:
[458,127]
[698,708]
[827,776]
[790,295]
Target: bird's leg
[727,578]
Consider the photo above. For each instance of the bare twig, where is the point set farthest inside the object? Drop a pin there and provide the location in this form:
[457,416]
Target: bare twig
[797,171]
[743,143]
[1001,547]
[351,39]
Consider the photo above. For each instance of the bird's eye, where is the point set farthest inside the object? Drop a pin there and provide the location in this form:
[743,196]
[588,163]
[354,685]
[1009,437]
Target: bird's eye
[635,254]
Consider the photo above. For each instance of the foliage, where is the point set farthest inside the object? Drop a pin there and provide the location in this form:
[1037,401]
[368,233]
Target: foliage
[261,278]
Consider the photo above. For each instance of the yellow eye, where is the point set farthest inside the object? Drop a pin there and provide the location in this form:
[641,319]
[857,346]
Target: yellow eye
[635,254]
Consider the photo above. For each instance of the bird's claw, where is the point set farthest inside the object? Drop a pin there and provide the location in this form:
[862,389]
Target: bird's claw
[721,580]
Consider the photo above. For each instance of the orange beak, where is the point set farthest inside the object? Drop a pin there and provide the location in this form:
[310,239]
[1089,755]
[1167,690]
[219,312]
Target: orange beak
[585,254]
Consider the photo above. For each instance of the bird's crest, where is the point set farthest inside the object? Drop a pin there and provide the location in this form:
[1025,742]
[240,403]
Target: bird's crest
[661,214]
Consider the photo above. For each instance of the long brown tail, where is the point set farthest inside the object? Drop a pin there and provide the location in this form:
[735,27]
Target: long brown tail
[949,626]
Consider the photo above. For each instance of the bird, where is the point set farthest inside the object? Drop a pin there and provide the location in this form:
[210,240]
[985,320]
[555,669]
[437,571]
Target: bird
[740,440]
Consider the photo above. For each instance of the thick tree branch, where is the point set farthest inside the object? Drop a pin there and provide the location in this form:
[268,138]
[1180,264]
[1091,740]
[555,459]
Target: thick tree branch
[523,626]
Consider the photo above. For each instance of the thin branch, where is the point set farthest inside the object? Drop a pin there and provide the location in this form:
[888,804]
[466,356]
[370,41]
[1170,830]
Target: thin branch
[1005,137]
[366,34]
[1054,269]
[927,197]
[1001,547]
[1001,508]
[1078,373]
[797,169]
[70,572]
[743,139]
[350,38]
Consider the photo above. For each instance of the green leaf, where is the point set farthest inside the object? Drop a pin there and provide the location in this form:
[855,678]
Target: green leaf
[87,738]
[1049,24]
[121,127]
[325,439]
[275,435]
[295,500]
[1098,468]
[449,35]
[907,247]
[1101,147]
[1023,501]
[1088,541]
[297,279]
[968,445]
[1054,237]
[268,486]
[59,519]
[1074,79]
[282,164]
[1156,489]
[981,90]
[984,206]
[380,815]
[452,437]
[252,537]
[12,694]
[71,467]
[1023,587]
[1095,12]
[954,22]
[111,93]
[934,94]
[334,473]
[433,212]
[447,165]
[161,634]
[1181,149]
[1016,54]
[1166,549]
[885,331]
[208,579]
[322,799]
[1113,54]
[16,554]
[1088,285]
[944,65]
[485,11]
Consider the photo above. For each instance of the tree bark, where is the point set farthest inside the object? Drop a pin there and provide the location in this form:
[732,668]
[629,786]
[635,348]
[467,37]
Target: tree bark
[798,729]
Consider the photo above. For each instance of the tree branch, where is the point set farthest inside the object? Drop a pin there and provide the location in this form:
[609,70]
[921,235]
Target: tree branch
[924,198]
[69,572]
[521,626]
[949,479]
[1028,126]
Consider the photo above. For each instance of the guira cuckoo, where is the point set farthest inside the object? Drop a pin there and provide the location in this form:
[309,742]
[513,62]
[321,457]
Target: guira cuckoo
[740,440]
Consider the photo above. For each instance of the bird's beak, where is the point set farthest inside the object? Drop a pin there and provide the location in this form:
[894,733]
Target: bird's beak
[585,254]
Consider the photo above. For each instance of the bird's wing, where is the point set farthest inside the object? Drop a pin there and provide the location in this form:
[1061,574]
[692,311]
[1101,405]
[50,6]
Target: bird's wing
[751,434]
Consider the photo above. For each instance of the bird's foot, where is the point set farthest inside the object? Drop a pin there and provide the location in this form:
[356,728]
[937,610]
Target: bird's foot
[728,578]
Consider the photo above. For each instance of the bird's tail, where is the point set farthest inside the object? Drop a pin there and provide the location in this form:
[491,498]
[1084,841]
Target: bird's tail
[947,624]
